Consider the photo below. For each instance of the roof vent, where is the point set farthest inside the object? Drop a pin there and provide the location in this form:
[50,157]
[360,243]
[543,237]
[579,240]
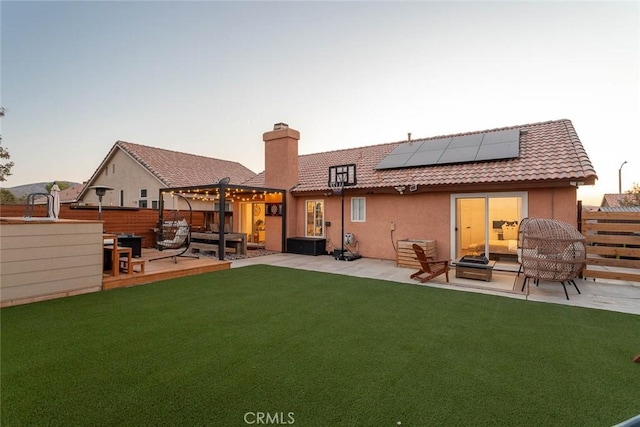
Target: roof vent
[279,126]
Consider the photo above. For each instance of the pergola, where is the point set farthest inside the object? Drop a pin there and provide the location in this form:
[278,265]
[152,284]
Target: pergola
[221,193]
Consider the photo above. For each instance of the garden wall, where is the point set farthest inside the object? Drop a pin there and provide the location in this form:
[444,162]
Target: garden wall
[43,259]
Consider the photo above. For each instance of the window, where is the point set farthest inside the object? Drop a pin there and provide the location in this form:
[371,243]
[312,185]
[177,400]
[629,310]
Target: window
[315,218]
[143,193]
[358,209]
[113,168]
[154,204]
[142,203]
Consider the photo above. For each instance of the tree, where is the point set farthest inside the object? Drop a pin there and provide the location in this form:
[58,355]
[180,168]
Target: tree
[632,197]
[7,197]
[5,168]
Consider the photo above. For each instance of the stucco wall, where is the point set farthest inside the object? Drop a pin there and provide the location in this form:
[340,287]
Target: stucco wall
[555,203]
[422,216]
[127,175]
[417,216]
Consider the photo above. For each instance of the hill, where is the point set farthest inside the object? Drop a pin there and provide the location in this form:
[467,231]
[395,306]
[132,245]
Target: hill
[38,187]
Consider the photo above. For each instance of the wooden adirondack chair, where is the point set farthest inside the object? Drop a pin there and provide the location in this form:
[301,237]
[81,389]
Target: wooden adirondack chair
[430,268]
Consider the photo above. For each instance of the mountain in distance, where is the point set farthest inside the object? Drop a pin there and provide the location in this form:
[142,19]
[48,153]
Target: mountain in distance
[38,187]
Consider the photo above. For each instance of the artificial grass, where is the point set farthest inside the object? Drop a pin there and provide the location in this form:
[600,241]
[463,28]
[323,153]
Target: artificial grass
[313,349]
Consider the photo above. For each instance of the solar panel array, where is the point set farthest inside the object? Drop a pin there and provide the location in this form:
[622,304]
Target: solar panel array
[475,147]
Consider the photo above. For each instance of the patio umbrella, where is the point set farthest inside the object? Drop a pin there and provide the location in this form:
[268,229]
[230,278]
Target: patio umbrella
[54,209]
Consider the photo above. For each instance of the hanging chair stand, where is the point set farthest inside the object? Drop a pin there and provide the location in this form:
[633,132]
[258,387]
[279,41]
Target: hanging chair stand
[175,234]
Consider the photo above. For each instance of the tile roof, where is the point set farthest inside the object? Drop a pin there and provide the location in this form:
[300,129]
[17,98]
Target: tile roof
[71,194]
[548,151]
[68,195]
[613,199]
[176,169]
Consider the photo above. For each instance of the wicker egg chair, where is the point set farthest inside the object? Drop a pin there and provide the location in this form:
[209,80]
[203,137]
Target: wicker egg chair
[550,250]
[175,233]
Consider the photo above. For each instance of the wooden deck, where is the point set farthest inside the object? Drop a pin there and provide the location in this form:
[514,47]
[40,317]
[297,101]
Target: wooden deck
[163,269]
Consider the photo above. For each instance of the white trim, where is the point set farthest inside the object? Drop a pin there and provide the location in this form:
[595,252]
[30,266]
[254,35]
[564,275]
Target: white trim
[524,195]
[364,209]
[306,229]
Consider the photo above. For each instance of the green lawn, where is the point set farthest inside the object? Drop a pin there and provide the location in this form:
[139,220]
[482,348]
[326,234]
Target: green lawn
[315,349]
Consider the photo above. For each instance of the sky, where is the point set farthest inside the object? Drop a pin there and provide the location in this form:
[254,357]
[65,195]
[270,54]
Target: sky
[210,78]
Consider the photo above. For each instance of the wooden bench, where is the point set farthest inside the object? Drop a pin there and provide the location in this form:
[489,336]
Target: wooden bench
[234,242]
[128,264]
[209,247]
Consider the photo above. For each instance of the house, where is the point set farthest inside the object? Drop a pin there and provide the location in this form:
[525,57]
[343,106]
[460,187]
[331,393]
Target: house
[137,173]
[467,191]
[67,196]
[612,200]
[70,195]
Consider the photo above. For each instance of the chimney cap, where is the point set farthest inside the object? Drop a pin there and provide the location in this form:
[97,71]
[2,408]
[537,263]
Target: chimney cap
[280,125]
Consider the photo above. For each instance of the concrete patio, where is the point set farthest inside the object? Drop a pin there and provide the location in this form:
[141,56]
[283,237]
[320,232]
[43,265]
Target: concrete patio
[619,296]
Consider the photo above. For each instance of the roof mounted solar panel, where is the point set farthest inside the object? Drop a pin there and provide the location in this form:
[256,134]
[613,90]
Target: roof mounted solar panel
[458,155]
[473,140]
[503,150]
[474,147]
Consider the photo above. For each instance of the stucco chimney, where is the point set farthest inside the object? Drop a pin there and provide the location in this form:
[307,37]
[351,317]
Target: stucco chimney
[281,171]
[281,156]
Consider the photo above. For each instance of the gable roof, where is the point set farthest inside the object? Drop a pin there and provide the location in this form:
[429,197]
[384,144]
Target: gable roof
[67,196]
[177,169]
[71,194]
[612,199]
[549,151]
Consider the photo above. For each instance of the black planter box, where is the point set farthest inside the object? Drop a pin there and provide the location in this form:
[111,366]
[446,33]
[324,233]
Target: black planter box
[306,245]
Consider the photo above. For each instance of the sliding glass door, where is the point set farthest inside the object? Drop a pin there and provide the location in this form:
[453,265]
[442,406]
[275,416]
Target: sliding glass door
[487,224]
[470,224]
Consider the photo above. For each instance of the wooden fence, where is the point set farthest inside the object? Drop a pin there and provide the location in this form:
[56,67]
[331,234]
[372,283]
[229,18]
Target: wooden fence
[613,245]
[140,222]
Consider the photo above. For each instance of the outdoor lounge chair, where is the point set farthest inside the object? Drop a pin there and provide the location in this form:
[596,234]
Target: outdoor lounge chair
[429,268]
[552,251]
